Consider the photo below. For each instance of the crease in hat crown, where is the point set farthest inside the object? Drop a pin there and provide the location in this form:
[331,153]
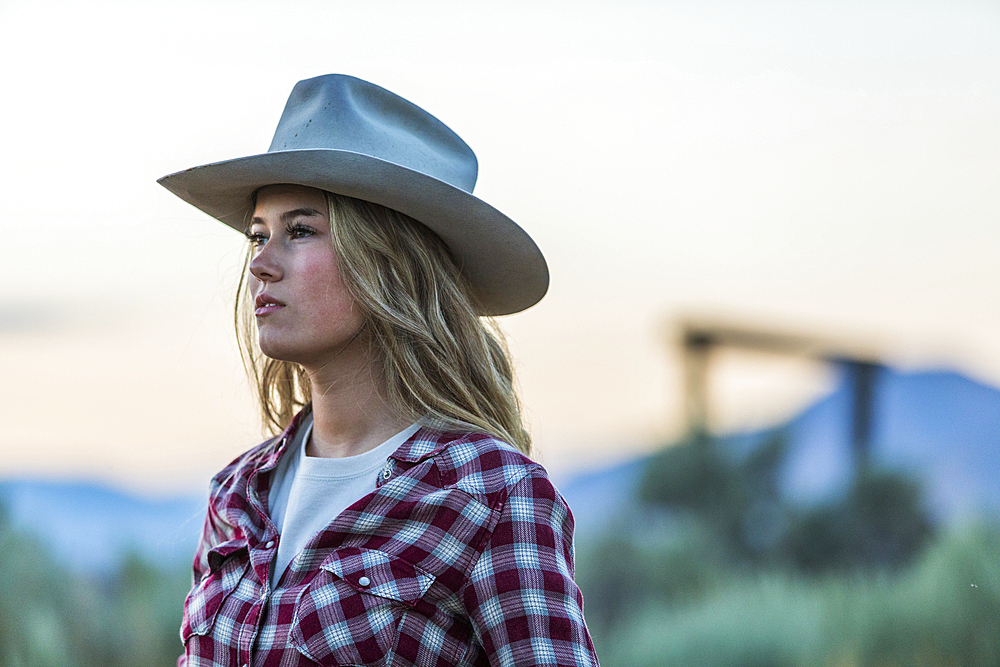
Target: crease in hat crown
[345,135]
[345,113]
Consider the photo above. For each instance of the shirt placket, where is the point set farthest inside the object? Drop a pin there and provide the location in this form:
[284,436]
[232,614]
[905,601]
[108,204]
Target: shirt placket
[263,549]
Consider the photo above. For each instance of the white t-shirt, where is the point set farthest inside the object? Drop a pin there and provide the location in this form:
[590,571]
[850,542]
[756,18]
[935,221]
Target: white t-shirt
[308,492]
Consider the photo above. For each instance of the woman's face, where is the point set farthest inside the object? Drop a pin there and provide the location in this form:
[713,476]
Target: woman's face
[304,312]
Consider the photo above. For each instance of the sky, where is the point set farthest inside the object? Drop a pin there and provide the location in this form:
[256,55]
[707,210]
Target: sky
[820,167]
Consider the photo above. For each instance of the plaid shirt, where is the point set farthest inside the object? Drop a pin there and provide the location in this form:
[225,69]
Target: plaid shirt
[462,556]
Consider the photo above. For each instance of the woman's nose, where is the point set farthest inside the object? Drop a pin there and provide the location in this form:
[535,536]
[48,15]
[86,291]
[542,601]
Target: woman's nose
[264,266]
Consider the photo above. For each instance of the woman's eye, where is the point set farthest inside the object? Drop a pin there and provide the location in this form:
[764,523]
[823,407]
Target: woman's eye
[256,239]
[298,231]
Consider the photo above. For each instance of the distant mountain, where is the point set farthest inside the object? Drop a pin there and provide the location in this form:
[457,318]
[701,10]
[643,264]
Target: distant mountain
[939,426]
[91,527]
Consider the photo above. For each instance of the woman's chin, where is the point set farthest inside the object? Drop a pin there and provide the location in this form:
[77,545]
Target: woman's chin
[278,350]
[296,353]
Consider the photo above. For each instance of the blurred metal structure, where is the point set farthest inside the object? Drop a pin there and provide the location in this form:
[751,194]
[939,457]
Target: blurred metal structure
[860,363]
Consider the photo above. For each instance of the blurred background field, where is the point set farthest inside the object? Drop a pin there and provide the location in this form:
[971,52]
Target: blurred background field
[765,377]
[703,553]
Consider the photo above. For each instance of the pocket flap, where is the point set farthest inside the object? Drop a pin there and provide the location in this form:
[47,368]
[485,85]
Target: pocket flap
[220,553]
[377,573]
[227,563]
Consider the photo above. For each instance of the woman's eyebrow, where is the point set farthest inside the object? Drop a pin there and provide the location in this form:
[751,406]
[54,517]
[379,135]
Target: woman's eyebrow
[289,215]
[298,213]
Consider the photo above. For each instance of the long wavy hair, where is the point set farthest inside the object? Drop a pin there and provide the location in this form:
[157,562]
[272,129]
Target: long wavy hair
[442,361]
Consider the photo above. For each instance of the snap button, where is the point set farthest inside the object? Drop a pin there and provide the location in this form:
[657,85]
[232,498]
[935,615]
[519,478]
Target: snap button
[269,545]
[364,582]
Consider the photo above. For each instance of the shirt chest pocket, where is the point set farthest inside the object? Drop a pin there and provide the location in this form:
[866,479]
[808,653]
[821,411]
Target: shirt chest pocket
[350,612]
[227,564]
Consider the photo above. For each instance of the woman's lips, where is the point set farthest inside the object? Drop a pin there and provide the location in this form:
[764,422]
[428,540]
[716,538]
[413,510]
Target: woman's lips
[266,305]
[267,309]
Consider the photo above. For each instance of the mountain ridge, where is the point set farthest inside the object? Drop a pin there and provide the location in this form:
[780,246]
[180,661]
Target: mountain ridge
[936,424]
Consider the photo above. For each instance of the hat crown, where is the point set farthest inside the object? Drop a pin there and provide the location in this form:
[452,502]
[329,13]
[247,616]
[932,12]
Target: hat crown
[341,112]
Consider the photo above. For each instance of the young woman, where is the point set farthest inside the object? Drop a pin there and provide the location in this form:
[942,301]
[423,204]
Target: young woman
[397,518]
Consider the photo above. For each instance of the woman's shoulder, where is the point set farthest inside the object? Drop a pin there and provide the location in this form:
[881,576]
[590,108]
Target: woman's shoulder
[504,479]
[484,465]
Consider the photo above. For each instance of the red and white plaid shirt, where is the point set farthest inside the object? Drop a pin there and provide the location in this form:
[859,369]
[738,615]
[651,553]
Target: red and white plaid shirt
[462,556]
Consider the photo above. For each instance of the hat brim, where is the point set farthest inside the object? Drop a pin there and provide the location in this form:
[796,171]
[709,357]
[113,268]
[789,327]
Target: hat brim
[501,263]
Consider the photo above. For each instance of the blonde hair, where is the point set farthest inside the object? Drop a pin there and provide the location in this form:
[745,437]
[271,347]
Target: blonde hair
[441,361]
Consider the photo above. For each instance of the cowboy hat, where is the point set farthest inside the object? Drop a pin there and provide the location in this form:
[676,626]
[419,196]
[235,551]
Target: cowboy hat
[347,136]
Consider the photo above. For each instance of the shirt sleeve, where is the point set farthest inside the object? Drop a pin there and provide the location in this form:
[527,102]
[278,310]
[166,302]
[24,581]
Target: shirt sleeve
[524,606]
[214,531]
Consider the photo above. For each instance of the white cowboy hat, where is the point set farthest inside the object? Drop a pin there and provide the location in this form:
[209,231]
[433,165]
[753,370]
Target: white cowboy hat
[347,136]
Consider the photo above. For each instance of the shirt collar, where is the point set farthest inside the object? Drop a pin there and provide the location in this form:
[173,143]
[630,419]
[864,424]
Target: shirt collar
[423,444]
[280,443]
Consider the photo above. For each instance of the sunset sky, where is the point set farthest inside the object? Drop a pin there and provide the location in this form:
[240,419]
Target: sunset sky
[826,167]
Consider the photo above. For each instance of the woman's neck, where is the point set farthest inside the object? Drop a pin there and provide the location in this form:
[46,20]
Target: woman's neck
[350,412]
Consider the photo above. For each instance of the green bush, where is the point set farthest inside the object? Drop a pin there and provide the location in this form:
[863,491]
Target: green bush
[737,498]
[751,623]
[880,524]
[944,609]
[616,573]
